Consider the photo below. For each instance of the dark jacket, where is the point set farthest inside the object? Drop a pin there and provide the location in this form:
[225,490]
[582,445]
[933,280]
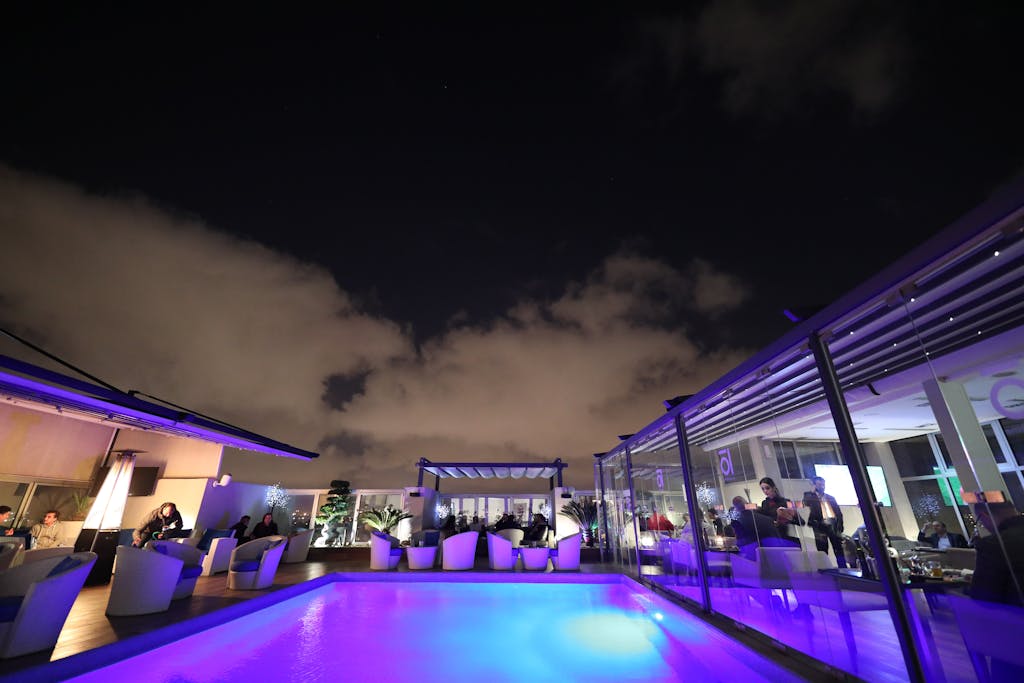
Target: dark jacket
[815,519]
[261,529]
[238,530]
[993,574]
[955,540]
[770,508]
[154,523]
[754,529]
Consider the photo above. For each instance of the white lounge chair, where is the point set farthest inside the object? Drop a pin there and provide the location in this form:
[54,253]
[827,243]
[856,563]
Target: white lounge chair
[37,554]
[191,569]
[144,581]
[513,535]
[253,564]
[458,552]
[500,552]
[298,546]
[385,551]
[565,556]
[35,600]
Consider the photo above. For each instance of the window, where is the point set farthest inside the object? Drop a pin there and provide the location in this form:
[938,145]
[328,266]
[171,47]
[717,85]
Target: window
[796,459]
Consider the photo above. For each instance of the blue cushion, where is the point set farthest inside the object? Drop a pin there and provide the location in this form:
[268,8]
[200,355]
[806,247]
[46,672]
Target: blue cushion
[64,565]
[209,535]
[9,607]
[396,552]
[245,566]
[159,547]
[190,572]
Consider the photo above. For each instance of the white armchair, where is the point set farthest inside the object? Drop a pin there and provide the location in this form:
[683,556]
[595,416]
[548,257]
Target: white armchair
[218,553]
[565,556]
[37,554]
[513,535]
[767,571]
[144,581]
[385,551]
[192,559]
[458,552]
[253,564]
[500,552]
[35,600]
[298,546]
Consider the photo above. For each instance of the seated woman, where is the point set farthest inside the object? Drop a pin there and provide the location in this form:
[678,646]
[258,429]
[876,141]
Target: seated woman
[266,527]
[537,531]
[778,507]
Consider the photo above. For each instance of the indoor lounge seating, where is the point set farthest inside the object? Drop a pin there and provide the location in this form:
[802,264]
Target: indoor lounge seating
[144,581]
[565,556]
[458,552]
[500,552]
[253,564]
[191,568]
[35,600]
[768,571]
[385,551]
[297,549]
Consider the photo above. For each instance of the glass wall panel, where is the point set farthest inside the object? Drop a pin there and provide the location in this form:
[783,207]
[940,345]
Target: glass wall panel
[618,523]
[946,376]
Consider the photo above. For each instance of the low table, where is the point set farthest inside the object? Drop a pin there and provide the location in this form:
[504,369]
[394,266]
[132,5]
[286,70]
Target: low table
[534,558]
[421,557]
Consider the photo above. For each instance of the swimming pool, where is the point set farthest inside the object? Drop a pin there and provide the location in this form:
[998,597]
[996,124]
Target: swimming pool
[394,627]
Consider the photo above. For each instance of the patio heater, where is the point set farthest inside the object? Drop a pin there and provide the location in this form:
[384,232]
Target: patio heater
[102,525]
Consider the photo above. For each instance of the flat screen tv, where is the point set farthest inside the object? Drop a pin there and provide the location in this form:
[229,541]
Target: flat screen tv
[839,484]
[143,481]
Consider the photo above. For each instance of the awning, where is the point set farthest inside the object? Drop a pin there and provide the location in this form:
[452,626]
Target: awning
[492,470]
[32,387]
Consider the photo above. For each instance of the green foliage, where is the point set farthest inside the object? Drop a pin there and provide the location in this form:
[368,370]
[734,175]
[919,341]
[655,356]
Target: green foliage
[585,516]
[339,499]
[383,519]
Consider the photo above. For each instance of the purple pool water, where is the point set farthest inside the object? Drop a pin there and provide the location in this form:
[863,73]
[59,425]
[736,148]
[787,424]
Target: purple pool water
[458,630]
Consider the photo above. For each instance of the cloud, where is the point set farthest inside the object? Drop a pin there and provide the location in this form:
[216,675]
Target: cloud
[773,58]
[147,300]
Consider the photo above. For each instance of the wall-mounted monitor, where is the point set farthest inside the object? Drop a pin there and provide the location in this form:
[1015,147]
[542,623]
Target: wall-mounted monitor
[143,481]
[839,483]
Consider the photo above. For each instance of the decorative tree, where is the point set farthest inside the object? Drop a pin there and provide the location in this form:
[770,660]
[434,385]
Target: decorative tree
[706,494]
[927,506]
[332,514]
[276,497]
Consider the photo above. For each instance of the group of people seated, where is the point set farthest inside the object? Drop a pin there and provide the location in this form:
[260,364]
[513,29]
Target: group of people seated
[45,534]
[165,522]
[535,532]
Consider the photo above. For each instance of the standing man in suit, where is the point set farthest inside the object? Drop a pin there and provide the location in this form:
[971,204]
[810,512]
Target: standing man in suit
[826,519]
[939,537]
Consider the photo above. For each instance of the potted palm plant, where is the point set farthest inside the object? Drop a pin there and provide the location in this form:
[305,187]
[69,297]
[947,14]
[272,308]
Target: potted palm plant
[585,516]
[383,519]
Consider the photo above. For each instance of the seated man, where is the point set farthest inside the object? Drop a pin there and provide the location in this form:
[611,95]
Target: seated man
[48,533]
[940,538]
[753,529]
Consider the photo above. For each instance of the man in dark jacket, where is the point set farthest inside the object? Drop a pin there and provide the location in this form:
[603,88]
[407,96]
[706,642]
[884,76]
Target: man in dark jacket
[826,519]
[999,569]
[753,529]
[941,538]
[158,524]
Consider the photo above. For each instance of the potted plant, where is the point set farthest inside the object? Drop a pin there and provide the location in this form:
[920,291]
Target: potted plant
[585,516]
[383,519]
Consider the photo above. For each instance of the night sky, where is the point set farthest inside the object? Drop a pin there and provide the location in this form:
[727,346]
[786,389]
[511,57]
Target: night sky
[473,233]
